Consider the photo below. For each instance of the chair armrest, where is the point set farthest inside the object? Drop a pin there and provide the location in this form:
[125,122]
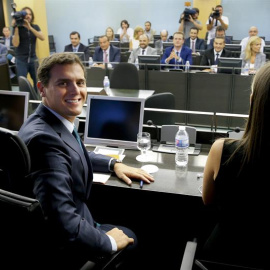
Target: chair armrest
[189,255]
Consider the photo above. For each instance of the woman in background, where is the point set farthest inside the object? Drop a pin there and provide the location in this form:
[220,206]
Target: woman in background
[134,42]
[110,34]
[252,54]
[125,31]
[236,181]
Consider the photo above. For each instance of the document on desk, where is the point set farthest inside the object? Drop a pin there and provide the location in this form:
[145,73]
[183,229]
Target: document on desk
[116,153]
[170,148]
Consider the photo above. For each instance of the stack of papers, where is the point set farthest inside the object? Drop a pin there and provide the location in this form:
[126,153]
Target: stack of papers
[116,153]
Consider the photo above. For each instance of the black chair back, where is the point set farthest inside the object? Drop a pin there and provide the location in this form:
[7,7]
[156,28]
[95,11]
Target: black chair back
[25,86]
[160,101]
[5,82]
[124,76]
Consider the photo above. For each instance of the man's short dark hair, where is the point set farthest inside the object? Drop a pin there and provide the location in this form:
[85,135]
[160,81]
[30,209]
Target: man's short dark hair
[103,36]
[74,33]
[65,58]
[148,22]
[194,28]
[33,16]
[220,38]
[220,28]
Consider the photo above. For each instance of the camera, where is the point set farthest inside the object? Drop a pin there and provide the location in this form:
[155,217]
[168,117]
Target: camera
[215,14]
[18,16]
[187,12]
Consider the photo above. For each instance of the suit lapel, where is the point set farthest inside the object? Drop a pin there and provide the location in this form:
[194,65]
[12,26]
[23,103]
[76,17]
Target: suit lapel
[67,137]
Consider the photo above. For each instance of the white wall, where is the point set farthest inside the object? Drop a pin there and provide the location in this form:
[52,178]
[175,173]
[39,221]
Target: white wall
[92,17]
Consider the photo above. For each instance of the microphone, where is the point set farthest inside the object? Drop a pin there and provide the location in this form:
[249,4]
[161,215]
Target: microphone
[150,123]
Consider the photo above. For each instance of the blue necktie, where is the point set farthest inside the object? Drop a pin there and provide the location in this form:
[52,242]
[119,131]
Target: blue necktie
[216,61]
[176,61]
[74,50]
[77,137]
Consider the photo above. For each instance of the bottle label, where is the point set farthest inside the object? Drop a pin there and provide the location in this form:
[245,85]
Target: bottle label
[182,143]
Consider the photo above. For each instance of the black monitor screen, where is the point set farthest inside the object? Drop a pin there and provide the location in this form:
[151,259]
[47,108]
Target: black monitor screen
[113,121]
[149,61]
[229,65]
[80,55]
[13,109]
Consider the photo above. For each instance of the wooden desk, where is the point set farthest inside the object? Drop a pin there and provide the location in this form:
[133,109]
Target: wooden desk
[120,92]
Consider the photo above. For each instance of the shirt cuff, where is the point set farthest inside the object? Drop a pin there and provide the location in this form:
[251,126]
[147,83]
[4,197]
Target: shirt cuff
[114,246]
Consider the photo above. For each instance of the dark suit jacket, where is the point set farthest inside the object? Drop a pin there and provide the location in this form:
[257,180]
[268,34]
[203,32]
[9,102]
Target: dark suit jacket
[115,55]
[186,55]
[208,58]
[4,40]
[199,45]
[210,45]
[62,175]
[82,48]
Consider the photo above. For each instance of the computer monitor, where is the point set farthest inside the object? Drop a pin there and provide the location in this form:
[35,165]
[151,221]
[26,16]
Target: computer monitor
[151,62]
[81,56]
[229,65]
[113,121]
[233,47]
[13,109]
[167,44]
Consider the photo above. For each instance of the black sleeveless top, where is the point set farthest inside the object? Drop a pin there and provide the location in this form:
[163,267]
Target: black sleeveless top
[242,198]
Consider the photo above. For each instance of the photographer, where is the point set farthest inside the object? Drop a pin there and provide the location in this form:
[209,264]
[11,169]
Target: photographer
[215,19]
[188,19]
[24,39]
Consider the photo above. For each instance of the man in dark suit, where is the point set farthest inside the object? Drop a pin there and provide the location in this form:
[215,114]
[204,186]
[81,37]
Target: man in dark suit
[76,46]
[62,168]
[106,53]
[193,42]
[178,54]
[220,32]
[210,57]
[7,40]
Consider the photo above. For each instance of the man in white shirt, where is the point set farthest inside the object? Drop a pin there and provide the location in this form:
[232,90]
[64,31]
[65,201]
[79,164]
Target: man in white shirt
[7,37]
[143,49]
[253,31]
[215,19]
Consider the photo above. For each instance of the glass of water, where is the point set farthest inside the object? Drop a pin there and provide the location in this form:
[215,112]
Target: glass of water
[143,144]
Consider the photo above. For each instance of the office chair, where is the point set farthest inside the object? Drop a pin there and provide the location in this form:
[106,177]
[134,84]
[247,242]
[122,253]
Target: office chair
[164,100]
[125,76]
[5,82]
[25,86]
[24,234]
[125,56]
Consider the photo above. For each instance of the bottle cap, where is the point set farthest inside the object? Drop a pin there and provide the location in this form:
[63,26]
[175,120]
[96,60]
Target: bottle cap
[182,127]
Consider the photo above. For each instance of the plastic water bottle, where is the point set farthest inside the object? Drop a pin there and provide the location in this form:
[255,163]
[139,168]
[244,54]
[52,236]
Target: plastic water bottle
[187,66]
[91,62]
[181,145]
[246,69]
[106,84]
[137,63]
